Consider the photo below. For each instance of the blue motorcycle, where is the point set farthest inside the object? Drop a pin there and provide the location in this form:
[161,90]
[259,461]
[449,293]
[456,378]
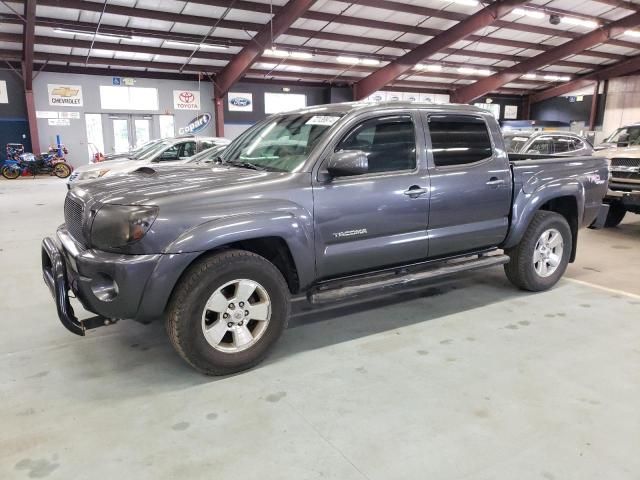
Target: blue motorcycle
[27,163]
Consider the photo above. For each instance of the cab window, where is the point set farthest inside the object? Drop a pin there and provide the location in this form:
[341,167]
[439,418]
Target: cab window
[458,139]
[389,143]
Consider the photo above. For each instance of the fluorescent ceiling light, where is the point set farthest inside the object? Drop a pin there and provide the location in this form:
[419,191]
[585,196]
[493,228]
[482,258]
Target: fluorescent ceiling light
[203,46]
[302,55]
[474,71]
[578,21]
[370,61]
[632,33]
[471,3]
[529,76]
[430,68]
[274,52]
[350,60]
[557,78]
[527,12]
[84,33]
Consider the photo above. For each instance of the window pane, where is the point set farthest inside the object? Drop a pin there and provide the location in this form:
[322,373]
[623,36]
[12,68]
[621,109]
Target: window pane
[389,143]
[95,139]
[542,146]
[167,129]
[562,144]
[121,136]
[458,139]
[143,131]
[283,102]
[128,98]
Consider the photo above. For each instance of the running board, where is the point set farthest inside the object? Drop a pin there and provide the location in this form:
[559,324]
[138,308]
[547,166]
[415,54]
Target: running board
[400,278]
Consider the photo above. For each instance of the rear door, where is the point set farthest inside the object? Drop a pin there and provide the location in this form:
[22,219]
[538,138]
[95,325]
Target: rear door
[470,184]
[378,218]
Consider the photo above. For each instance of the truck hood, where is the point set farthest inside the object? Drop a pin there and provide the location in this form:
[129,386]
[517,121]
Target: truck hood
[157,186]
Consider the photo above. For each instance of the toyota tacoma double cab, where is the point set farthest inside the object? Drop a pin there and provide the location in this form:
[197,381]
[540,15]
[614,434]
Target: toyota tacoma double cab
[330,202]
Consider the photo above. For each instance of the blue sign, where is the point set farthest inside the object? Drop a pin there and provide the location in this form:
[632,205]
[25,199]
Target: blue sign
[196,125]
[117,81]
[240,101]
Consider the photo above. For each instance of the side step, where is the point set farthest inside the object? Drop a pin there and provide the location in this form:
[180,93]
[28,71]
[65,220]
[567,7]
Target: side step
[336,291]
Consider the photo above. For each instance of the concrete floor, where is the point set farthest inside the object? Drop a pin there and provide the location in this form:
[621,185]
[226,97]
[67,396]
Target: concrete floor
[469,379]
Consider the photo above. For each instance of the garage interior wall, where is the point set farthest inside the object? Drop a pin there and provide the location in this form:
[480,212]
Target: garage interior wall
[563,109]
[623,100]
[14,127]
[74,136]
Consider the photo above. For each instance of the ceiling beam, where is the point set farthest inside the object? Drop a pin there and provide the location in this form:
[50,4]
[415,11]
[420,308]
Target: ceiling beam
[344,19]
[461,30]
[240,63]
[205,55]
[626,67]
[163,35]
[28,42]
[572,47]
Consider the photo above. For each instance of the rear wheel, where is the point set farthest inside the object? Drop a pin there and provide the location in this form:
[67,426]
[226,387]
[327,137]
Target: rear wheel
[542,256]
[615,215]
[227,312]
[62,170]
[10,172]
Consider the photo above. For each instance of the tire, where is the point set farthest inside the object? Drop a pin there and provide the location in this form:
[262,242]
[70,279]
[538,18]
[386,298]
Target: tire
[526,274]
[62,170]
[10,173]
[186,320]
[615,215]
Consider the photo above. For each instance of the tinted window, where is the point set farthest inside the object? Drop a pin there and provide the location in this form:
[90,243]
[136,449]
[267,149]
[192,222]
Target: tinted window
[188,149]
[458,139]
[389,142]
[543,146]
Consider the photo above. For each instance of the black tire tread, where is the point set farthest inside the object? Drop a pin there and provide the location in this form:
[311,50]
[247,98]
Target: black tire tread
[192,277]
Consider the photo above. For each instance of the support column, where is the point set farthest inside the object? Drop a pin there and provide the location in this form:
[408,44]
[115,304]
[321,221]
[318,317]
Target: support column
[33,122]
[526,108]
[594,107]
[219,113]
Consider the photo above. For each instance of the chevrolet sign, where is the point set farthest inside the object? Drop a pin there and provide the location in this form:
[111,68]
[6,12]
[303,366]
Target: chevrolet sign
[65,95]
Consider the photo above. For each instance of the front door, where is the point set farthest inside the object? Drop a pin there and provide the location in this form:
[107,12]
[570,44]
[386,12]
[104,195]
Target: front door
[376,219]
[130,132]
[470,185]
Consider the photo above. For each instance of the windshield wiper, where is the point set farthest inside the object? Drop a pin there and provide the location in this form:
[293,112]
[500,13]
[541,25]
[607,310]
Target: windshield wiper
[249,165]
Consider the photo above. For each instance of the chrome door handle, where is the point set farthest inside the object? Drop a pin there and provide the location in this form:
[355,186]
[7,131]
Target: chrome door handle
[415,191]
[494,182]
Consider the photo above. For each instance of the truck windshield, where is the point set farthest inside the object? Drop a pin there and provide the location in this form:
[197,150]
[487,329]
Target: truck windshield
[281,144]
[628,135]
[514,144]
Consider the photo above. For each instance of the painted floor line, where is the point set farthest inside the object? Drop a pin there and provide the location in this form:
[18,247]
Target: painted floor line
[606,289]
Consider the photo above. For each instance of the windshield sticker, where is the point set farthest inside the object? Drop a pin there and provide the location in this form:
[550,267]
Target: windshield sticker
[325,120]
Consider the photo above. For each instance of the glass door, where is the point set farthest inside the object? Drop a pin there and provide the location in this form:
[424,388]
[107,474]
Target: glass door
[121,135]
[142,131]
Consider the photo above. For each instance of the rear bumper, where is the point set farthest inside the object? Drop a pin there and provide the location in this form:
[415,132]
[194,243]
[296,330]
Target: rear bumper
[598,223]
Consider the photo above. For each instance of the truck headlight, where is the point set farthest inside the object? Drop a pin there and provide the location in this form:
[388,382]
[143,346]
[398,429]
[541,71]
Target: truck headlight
[119,225]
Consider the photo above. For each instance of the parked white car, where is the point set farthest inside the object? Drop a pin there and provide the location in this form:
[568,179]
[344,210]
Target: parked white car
[167,152]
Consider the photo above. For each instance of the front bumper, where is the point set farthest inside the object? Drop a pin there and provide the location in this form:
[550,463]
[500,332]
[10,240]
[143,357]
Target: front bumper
[107,284]
[629,199]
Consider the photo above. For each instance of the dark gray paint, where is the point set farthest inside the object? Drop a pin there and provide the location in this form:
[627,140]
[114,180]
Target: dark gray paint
[203,211]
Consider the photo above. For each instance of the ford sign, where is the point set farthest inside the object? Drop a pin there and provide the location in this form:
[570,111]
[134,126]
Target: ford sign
[196,125]
[240,101]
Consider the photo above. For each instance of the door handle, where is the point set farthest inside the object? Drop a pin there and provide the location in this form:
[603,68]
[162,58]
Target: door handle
[495,182]
[415,191]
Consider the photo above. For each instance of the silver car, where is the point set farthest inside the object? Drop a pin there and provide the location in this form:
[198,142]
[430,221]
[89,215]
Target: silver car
[547,143]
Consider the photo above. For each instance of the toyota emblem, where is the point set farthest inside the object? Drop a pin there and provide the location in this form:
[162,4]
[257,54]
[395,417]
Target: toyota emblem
[186,97]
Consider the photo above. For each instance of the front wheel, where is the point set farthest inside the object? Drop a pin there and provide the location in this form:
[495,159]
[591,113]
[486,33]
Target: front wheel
[227,311]
[542,256]
[615,215]
[62,170]
[10,173]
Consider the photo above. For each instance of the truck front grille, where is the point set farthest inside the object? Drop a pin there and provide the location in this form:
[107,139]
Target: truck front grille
[73,217]
[625,162]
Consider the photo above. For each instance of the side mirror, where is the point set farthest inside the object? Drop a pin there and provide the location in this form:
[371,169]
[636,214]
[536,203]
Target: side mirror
[348,163]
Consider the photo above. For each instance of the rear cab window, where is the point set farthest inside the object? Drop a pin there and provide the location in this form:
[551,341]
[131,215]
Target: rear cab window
[458,139]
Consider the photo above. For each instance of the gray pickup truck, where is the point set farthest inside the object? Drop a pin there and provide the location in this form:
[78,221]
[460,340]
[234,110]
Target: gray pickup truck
[331,202]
